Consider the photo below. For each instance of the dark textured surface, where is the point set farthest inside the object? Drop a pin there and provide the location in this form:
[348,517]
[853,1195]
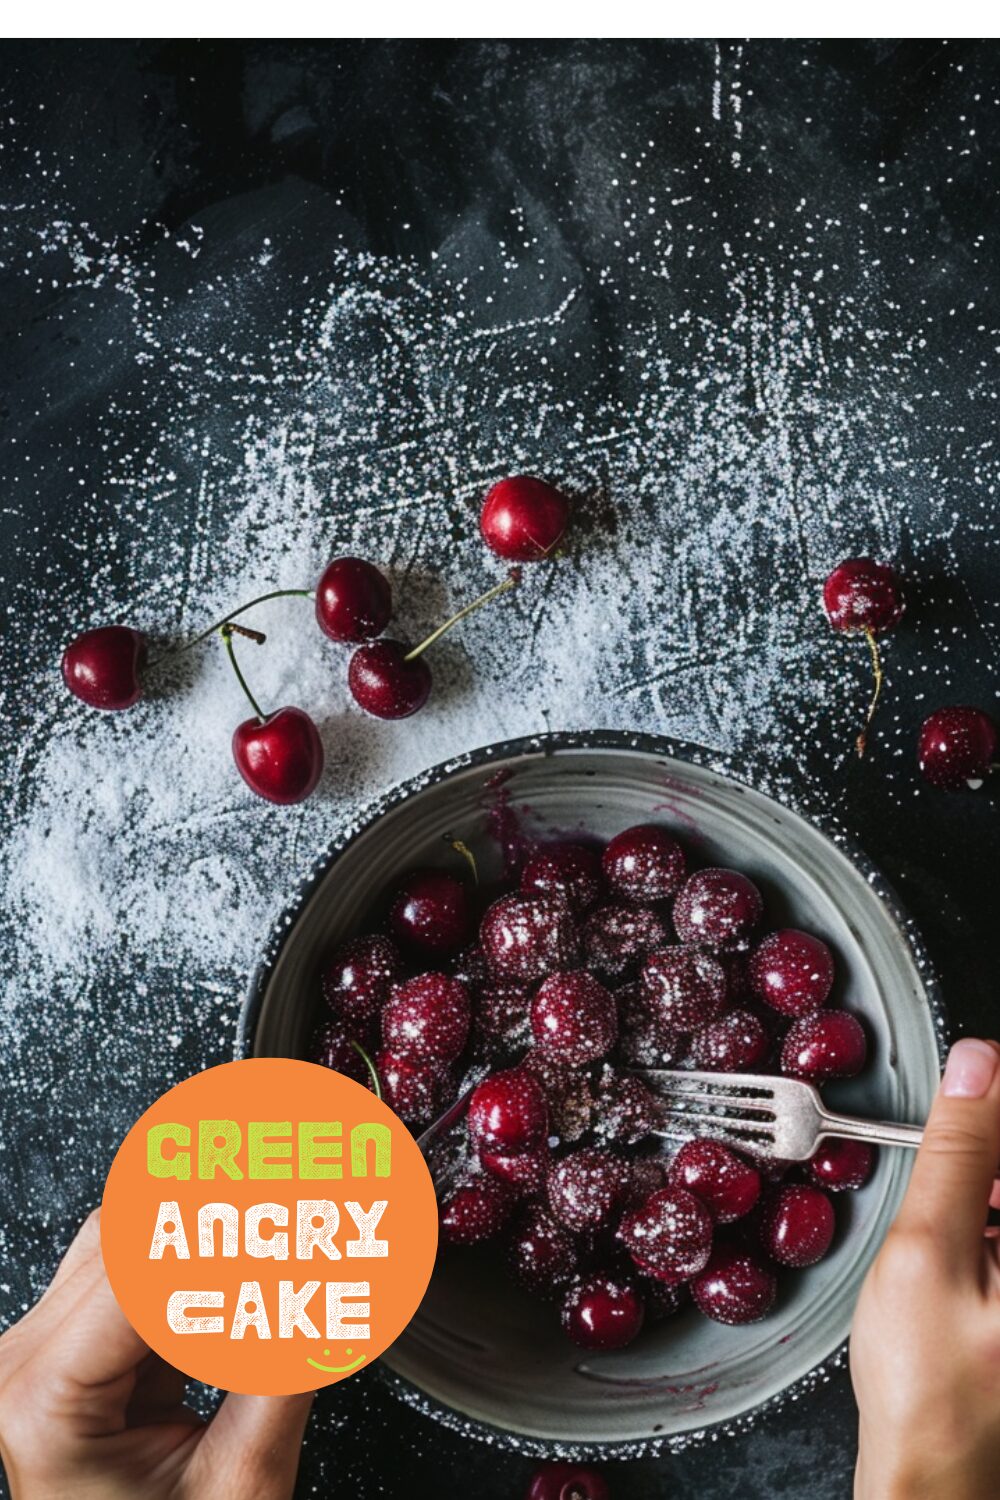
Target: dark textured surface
[874,162]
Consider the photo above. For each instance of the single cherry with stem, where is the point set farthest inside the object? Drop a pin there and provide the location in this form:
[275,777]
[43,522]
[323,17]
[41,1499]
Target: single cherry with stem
[391,680]
[862,595]
[103,667]
[523,519]
[353,600]
[279,755]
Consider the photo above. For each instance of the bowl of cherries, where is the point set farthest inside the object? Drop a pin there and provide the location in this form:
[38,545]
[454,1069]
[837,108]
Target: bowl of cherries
[521,933]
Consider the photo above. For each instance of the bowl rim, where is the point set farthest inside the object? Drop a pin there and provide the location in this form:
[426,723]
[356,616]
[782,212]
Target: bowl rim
[791,793]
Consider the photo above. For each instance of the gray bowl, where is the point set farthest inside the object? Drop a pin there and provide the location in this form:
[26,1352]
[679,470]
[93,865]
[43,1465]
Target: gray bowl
[480,1356]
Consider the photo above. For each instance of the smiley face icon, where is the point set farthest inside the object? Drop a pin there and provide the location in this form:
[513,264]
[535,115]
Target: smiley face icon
[337,1369]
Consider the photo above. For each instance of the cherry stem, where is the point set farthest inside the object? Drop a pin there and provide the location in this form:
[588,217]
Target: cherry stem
[227,619]
[862,739]
[510,582]
[376,1085]
[226,631]
[465,852]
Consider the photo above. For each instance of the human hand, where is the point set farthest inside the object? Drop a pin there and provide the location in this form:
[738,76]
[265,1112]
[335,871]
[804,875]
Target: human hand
[87,1411]
[925,1347]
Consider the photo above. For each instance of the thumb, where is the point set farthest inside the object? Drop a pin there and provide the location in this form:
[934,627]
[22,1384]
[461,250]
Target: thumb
[953,1174]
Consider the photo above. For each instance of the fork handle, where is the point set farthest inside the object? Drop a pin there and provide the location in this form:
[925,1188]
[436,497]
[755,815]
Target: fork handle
[876,1132]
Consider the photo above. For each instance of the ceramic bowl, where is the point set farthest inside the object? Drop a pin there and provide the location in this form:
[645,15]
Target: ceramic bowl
[481,1356]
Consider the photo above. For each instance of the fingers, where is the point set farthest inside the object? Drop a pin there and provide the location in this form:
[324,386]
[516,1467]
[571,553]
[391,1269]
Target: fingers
[83,1248]
[954,1171]
[260,1439]
[98,1344]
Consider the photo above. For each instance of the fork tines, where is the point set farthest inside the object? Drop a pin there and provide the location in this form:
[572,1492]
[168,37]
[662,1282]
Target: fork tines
[740,1115]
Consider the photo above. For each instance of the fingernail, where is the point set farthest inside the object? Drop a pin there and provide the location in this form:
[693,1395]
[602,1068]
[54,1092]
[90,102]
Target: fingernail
[970,1069]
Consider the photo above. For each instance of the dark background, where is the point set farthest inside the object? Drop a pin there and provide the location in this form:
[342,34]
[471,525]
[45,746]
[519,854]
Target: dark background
[856,409]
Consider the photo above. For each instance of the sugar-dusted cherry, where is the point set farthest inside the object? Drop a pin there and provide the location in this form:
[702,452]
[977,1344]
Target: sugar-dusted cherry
[645,1040]
[717,908]
[523,519]
[571,871]
[828,1044]
[627,1108]
[427,1019]
[527,937]
[574,1018]
[957,748]
[792,972]
[727,1185]
[103,667]
[840,1165]
[568,1091]
[508,1113]
[476,1210]
[417,1091]
[644,863]
[737,1042]
[501,1018]
[432,910]
[523,1171]
[586,1187]
[735,1286]
[686,986]
[670,1234]
[542,1254]
[617,935]
[602,1311]
[358,979]
[353,600]
[864,597]
[797,1225]
[332,1048]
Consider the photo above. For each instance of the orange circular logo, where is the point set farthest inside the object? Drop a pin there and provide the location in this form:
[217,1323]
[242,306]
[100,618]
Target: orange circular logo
[269,1226]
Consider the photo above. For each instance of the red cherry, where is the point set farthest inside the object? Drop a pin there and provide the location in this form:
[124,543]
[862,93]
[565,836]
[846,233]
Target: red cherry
[841,1165]
[670,1233]
[523,519]
[476,1211]
[416,1091]
[570,871]
[586,1187]
[431,911]
[792,972]
[357,980]
[733,1043]
[728,1186]
[384,683]
[501,1016]
[602,1312]
[332,1049]
[686,987]
[524,1173]
[644,863]
[280,757]
[735,1287]
[562,1481]
[797,1225]
[957,748]
[863,595]
[568,1094]
[353,600]
[616,936]
[719,908]
[427,1019]
[829,1044]
[102,667]
[526,937]
[627,1108]
[542,1254]
[573,1018]
[645,1039]
[507,1112]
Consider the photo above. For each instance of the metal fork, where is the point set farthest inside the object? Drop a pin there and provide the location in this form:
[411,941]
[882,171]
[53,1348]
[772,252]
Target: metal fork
[779,1117]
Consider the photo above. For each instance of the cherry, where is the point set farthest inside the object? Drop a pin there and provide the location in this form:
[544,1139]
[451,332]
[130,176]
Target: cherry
[471,969]
[686,986]
[391,679]
[102,667]
[735,1287]
[353,600]
[645,1040]
[357,980]
[475,1211]
[957,748]
[602,1311]
[432,911]
[644,863]
[567,870]
[565,1481]
[507,1112]
[627,1109]
[586,1187]
[574,1018]
[728,1186]
[280,756]
[736,965]
[541,1252]
[501,1015]
[733,1043]
[526,937]
[616,936]
[525,1172]
[427,1019]
[662,1298]
[840,1165]
[792,972]
[523,519]
[865,596]
[332,1049]
[671,1233]
[719,908]
[830,1044]
[415,1090]
[797,1225]
[567,1091]
[646,1176]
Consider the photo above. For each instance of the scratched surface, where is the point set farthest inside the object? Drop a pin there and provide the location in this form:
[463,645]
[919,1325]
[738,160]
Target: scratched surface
[262,303]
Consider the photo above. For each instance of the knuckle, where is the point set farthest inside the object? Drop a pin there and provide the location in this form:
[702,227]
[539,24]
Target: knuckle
[954,1138]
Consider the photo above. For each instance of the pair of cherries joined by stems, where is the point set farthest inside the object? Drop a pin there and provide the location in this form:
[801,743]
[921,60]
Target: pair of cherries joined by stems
[280,755]
[957,747]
